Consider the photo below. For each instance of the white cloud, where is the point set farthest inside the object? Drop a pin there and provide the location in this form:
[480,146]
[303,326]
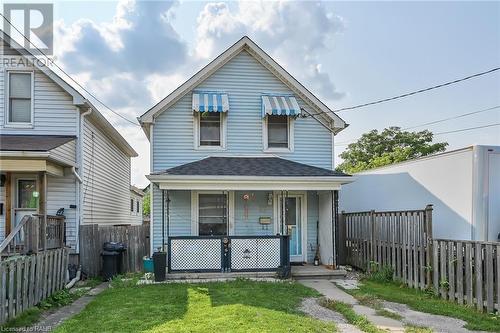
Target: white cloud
[294,33]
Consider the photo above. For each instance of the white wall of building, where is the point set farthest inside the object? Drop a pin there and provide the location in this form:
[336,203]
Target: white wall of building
[462,185]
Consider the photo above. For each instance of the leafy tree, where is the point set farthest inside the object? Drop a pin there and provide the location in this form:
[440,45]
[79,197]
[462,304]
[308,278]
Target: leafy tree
[146,204]
[392,145]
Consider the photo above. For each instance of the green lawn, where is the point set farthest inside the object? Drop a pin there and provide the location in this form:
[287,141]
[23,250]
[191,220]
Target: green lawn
[237,306]
[426,302]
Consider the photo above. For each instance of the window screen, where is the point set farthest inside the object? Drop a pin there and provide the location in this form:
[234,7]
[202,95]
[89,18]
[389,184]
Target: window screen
[212,214]
[277,131]
[210,129]
[20,98]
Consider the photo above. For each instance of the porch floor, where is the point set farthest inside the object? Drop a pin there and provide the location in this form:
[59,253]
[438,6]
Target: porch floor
[298,273]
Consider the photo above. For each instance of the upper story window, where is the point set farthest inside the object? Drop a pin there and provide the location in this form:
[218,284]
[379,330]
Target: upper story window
[210,113]
[20,98]
[277,131]
[210,129]
[278,114]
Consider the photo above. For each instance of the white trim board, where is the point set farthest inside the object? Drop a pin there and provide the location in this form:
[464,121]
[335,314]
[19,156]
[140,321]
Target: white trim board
[252,183]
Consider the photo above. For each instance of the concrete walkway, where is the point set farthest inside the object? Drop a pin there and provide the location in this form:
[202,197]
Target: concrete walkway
[51,321]
[331,291]
[436,323]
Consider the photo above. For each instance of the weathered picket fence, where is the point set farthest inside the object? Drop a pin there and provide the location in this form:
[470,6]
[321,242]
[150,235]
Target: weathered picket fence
[92,237]
[29,279]
[466,272]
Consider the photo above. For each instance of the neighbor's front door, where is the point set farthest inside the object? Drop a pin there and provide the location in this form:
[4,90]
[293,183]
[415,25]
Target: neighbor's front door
[292,221]
[25,198]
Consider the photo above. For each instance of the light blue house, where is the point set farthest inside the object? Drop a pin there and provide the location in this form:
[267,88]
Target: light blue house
[242,151]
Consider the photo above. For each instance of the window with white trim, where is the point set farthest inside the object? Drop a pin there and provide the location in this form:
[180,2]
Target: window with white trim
[212,214]
[210,128]
[20,98]
[278,133]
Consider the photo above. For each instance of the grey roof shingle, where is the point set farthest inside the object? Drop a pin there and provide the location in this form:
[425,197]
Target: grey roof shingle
[32,142]
[249,166]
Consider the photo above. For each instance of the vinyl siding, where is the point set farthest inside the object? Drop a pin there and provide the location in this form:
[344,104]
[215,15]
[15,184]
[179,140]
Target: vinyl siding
[248,212]
[65,153]
[106,179]
[61,193]
[312,219]
[180,215]
[135,216]
[244,79]
[54,111]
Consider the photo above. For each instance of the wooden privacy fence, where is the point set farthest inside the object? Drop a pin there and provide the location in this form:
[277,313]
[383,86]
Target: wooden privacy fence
[398,239]
[92,237]
[27,280]
[466,272]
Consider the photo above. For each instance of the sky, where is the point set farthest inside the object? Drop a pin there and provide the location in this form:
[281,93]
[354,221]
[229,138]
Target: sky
[132,54]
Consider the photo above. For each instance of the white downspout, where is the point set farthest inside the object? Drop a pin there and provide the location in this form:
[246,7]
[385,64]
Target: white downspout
[78,177]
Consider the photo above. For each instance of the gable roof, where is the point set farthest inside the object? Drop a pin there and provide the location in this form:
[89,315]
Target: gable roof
[249,166]
[78,98]
[245,43]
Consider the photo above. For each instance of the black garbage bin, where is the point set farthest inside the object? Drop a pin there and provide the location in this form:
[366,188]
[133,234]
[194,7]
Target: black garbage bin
[110,264]
[160,265]
[112,259]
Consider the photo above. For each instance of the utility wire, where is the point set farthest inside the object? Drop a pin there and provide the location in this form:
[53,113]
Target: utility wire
[345,143]
[439,133]
[69,76]
[468,129]
[418,91]
[451,118]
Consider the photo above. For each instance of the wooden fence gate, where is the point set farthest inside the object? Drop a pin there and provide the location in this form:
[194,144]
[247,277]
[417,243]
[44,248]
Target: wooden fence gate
[466,272]
[92,237]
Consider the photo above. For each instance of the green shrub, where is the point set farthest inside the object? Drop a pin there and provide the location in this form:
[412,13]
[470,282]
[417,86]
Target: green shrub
[382,274]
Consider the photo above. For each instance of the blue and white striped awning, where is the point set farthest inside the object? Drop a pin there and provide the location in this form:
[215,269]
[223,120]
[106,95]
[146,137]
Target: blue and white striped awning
[210,102]
[280,105]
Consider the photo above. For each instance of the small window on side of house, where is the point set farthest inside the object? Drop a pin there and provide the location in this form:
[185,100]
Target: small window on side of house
[277,131]
[132,205]
[137,206]
[20,98]
[210,124]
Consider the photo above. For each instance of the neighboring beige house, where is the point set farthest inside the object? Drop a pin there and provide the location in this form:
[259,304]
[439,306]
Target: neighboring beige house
[136,196]
[57,151]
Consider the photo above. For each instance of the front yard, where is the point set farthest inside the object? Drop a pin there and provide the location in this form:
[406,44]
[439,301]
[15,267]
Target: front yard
[237,306]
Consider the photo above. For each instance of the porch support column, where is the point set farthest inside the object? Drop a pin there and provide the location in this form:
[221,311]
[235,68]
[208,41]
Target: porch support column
[8,204]
[163,220]
[335,223]
[42,207]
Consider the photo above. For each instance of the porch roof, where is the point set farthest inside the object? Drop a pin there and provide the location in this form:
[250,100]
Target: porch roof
[266,172]
[249,166]
[32,142]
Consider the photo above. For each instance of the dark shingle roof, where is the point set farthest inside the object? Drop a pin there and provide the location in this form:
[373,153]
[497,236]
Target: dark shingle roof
[249,166]
[32,142]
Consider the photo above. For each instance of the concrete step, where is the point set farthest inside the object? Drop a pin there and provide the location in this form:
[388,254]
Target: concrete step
[317,273]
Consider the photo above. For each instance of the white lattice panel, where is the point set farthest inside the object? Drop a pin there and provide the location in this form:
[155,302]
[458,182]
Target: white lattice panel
[260,253]
[195,254]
